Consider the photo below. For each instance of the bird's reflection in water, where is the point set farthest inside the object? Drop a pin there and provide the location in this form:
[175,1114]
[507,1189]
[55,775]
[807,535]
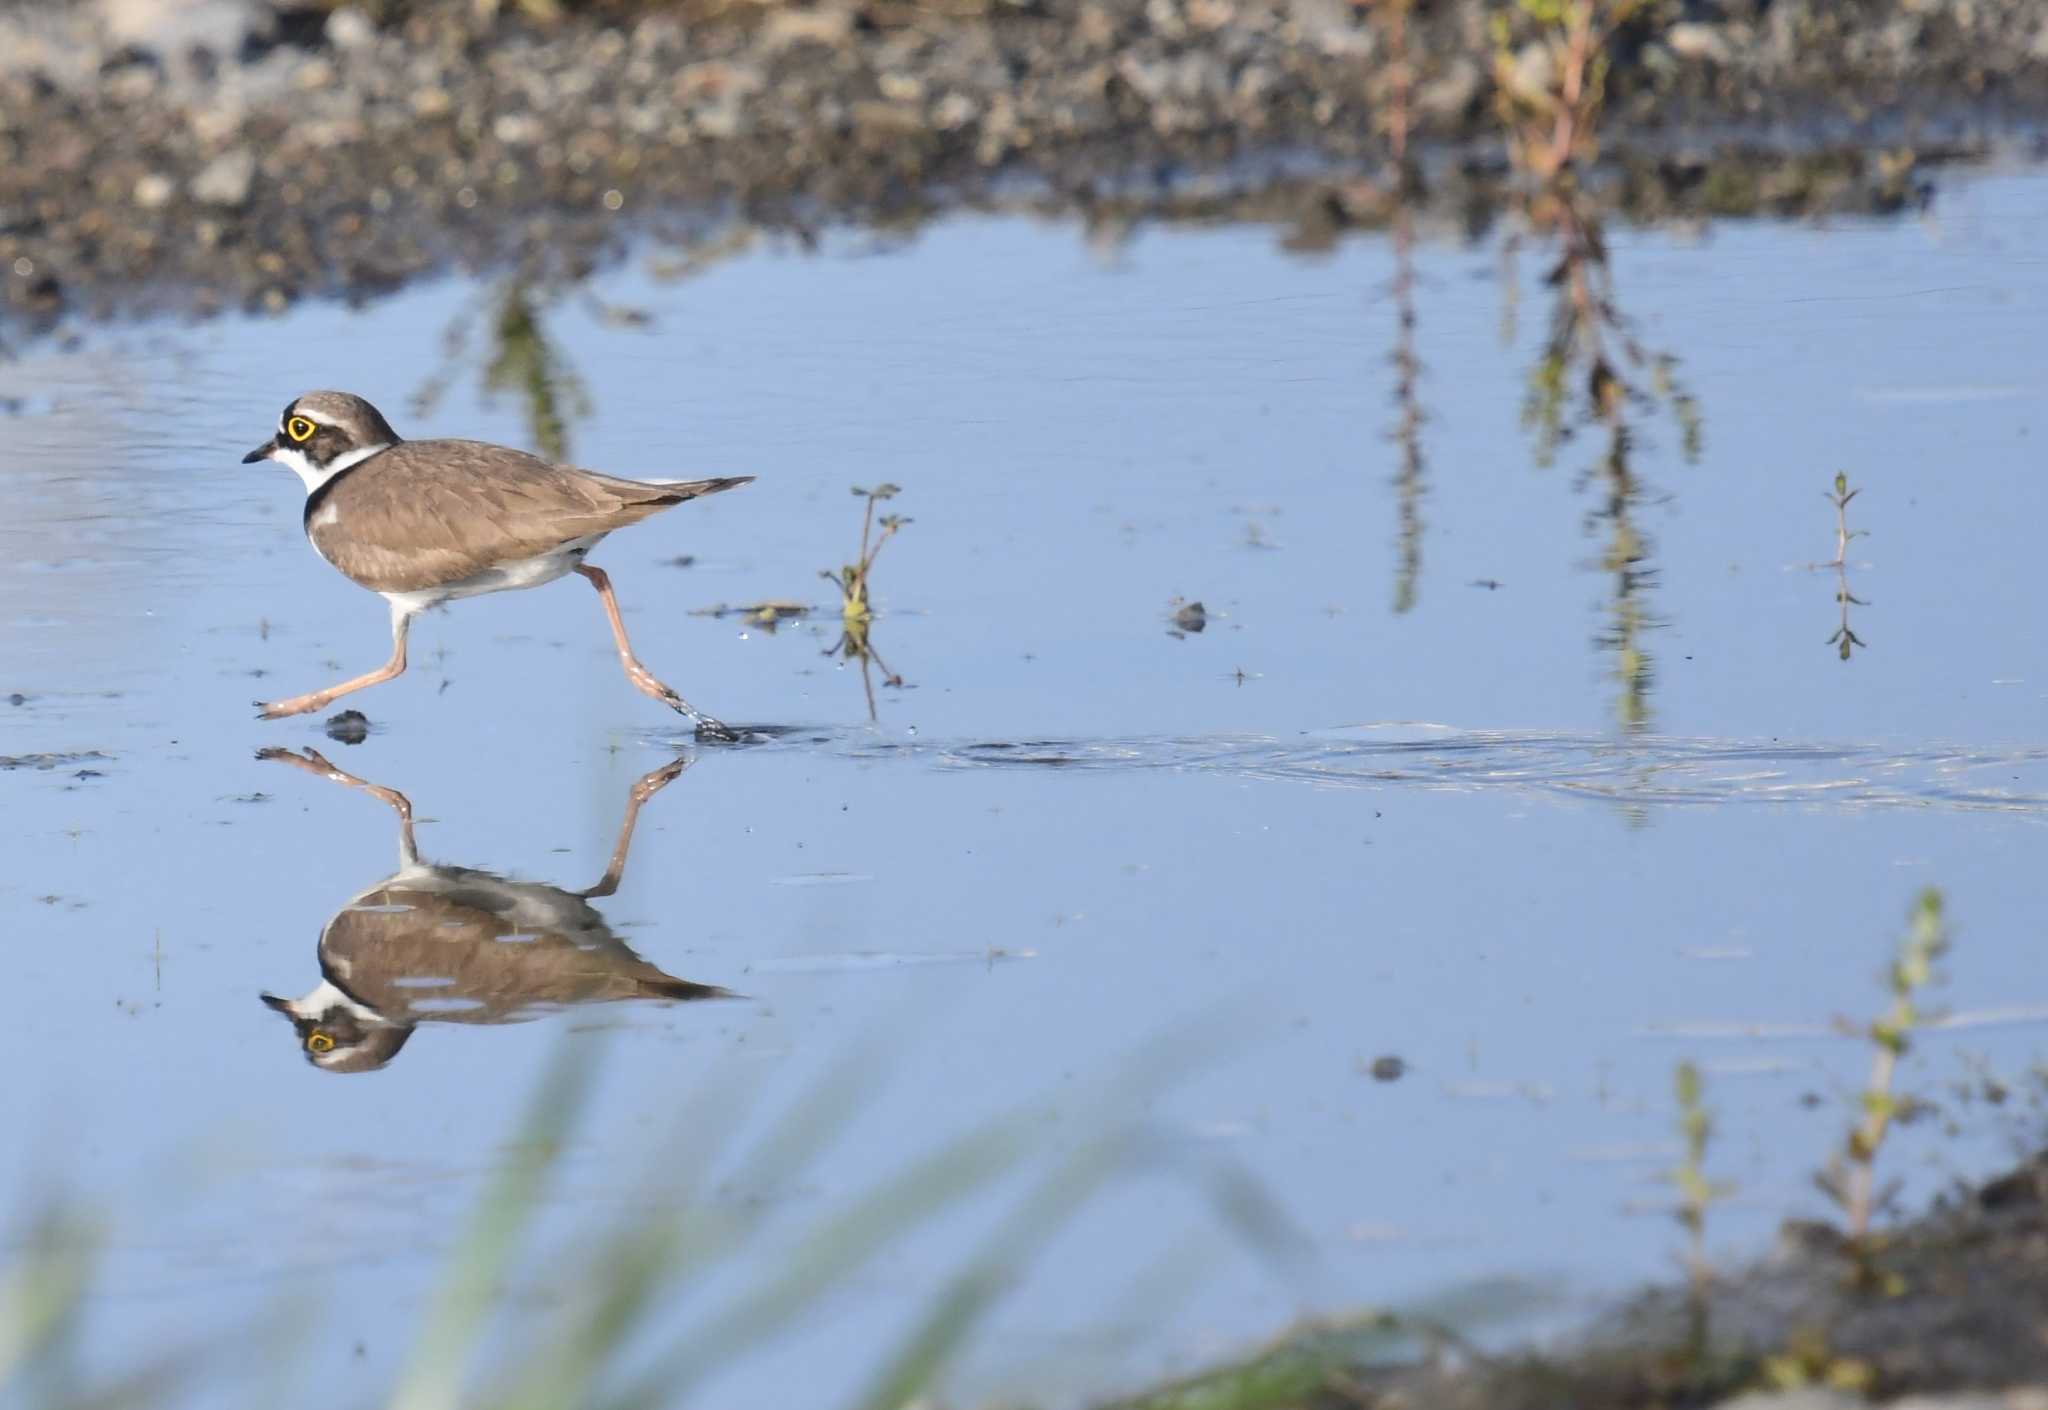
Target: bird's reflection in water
[442,944]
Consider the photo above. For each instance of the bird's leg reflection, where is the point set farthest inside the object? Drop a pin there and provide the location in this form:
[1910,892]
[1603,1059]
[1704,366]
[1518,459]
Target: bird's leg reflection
[648,785]
[314,762]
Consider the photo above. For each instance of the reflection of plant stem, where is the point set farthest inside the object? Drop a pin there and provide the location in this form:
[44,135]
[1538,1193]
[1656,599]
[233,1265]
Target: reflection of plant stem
[856,644]
[1408,483]
[526,363]
[1590,346]
[522,361]
[856,613]
[1627,558]
[1844,640]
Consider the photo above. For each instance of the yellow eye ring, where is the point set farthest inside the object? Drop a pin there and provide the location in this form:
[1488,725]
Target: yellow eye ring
[319,1043]
[300,429]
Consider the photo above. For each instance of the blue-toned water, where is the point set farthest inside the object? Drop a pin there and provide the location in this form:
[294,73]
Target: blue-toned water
[1539,858]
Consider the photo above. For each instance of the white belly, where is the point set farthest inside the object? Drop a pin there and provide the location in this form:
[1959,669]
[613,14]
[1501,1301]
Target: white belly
[520,573]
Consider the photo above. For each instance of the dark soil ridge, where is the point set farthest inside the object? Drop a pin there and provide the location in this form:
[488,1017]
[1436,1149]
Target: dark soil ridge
[1959,1305]
[157,157]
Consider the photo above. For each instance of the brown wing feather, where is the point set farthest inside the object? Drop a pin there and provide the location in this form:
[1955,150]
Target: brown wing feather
[427,513]
[439,936]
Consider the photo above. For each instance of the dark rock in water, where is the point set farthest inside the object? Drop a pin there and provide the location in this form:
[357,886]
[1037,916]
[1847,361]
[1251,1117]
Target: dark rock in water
[1389,1068]
[17,699]
[349,727]
[1191,617]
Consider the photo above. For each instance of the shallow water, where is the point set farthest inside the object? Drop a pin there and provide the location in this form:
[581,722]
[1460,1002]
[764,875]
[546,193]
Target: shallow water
[1538,864]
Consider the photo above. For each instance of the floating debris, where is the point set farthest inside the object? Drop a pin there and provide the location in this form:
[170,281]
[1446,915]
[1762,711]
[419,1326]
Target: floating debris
[765,615]
[49,761]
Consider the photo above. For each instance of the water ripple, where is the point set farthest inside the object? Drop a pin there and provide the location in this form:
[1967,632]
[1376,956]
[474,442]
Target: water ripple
[1638,771]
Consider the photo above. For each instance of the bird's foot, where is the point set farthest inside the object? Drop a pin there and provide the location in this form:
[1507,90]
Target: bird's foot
[297,705]
[658,779]
[709,730]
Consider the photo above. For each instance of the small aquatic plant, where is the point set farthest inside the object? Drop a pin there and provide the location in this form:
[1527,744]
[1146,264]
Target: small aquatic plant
[1845,639]
[1696,1193]
[1851,1177]
[852,580]
[1840,497]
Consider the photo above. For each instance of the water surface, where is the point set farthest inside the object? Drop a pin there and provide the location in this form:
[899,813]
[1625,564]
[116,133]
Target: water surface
[1550,829]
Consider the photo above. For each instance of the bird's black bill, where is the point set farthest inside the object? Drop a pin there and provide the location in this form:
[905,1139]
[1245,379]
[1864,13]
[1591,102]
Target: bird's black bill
[261,452]
[283,1006]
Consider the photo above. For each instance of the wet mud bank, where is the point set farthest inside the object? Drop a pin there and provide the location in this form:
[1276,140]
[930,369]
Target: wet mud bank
[232,154]
[1946,1313]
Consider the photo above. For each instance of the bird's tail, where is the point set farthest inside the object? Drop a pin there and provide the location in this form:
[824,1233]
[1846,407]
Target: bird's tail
[669,987]
[676,491]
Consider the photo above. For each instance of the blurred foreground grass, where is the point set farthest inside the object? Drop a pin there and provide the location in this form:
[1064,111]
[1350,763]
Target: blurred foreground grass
[610,1341]
[610,1337]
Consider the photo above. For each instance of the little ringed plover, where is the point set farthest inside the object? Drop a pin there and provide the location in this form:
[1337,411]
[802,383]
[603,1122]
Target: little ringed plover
[426,522]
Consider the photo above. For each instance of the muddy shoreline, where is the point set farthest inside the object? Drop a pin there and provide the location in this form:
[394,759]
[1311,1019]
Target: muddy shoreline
[1955,1326]
[229,155]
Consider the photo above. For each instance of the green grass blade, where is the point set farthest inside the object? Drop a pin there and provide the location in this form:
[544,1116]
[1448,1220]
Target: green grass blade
[433,1378]
[829,1255]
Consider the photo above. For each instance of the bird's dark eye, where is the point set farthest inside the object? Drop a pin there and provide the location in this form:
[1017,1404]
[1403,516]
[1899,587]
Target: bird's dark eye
[318,1042]
[300,429]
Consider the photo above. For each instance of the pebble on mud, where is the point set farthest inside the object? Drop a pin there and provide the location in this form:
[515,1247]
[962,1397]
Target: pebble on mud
[227,179]
[154,190]
[348,727]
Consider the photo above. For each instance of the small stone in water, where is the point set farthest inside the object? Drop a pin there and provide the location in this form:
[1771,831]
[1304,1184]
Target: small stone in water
[349,727]
[1388,1068]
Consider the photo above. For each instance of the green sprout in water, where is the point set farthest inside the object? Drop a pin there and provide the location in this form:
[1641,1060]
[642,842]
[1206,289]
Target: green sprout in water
[1844,640]
[1851,1177]
[852,580]
[1696,1193]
